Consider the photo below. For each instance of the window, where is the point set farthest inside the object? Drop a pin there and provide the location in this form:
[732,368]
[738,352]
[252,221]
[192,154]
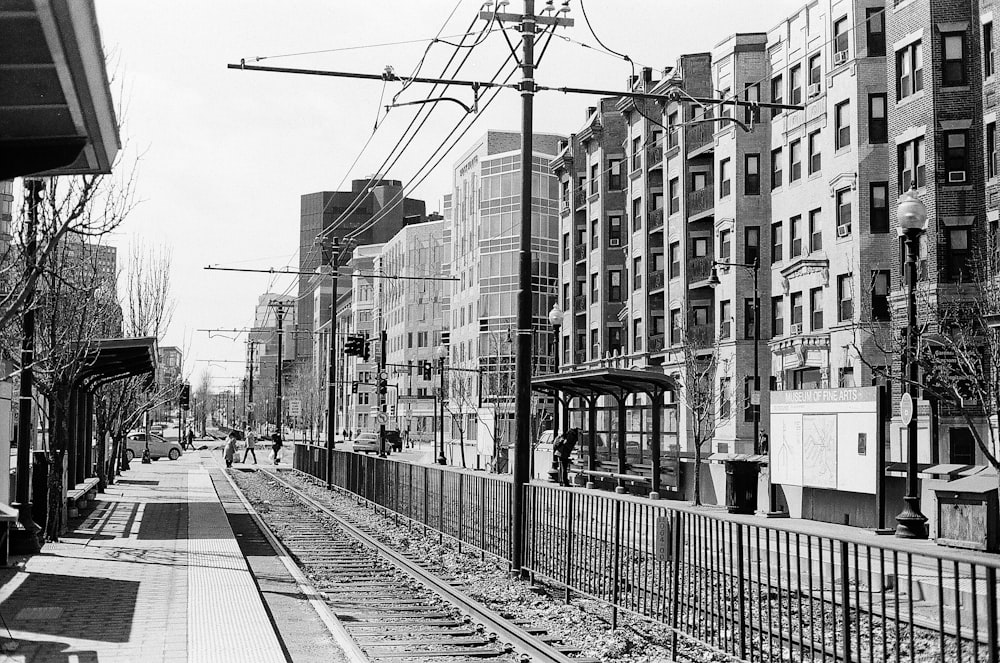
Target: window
[794,160]
[636,214]
[878,206]
[675,196]
[636,152]
[845,377]
[699,247]
[751,184]
[909,70]
[615,285]
[699,180]
[815,156]
[751,412]
[566,306]
[953,67]
[637,335]
[956,156]
[845,298]
[880,295]
[673,132]
[725,319]
[701,315]
[615,174]
[842,124]
[725,110]
[725,398]
[796,308]
[815,73]
[958,254]
[615,339]
[795,85]
[636,273]
[748,318]
[777,242]
[878,125]
[843,213]
[724,178]
[595,291]
[751,114]
[777,316]
[988,64]
[777,94]
[565,246]
[751,245]
[776,168]
[593,233]
[991,150]
[725,245]
[675,326]
[675,260]
[815,230]
[795,224]
[615,229]
[962,450]
[911,164]
[840,35]
[816,308]
[876,30]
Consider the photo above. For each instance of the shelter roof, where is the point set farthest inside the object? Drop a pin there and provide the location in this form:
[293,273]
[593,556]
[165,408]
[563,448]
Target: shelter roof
[117,358]
[605,380]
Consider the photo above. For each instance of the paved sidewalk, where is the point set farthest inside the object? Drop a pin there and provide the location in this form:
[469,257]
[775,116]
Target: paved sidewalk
[153,573]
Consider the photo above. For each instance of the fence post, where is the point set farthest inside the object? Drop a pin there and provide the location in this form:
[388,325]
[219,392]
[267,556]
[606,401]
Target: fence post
[740,568]
[461,511]
[845,590]
[991,614]
[569,542]
[616,564]
[675,563]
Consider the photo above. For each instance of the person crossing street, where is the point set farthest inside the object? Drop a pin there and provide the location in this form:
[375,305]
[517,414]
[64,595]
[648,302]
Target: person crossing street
[251,446]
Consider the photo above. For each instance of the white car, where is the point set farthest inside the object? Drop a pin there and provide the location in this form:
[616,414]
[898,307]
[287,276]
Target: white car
[367,442]
[158,447]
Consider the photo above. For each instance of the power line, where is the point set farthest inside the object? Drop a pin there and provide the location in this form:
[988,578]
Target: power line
[345,273]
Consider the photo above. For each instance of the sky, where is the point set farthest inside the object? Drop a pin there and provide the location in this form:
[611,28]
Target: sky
[223,155]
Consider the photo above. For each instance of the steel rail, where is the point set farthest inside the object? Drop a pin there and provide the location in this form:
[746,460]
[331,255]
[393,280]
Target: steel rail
[516,637]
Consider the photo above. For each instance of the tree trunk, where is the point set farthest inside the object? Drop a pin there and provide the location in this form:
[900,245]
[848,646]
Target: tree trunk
[54,497]
[697,473]
[461,442]
[101,460]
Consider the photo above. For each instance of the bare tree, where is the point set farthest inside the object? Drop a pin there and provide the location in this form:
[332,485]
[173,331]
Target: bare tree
[707,405]
[203,397]
[460,400]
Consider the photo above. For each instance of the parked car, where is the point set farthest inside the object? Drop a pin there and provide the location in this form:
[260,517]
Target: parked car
[158,446]
[367,442]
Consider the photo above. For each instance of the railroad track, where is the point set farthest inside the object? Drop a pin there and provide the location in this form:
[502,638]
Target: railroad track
[393,608]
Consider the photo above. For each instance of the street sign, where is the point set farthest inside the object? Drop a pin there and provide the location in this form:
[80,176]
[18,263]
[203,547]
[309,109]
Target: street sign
[383,375]
[295,408]
[906,409]
[382,418]
[249,407]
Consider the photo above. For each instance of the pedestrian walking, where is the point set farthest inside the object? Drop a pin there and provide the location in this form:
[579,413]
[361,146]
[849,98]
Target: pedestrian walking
[229,451]
[190,438]
[564,447]
[251,444]
[276,446]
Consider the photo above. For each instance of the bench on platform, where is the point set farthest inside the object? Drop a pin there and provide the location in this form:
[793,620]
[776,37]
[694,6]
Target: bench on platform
[78,497]
[8,518]
[634,479]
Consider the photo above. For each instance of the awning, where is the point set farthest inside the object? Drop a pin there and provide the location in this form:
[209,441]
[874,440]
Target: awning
[610,381]
[56,112]
[118,358]
[942,469]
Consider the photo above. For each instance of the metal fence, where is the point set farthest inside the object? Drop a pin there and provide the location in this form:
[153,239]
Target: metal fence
[754,590]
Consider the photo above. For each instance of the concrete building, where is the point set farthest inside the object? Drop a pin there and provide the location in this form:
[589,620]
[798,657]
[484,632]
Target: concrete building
[373,210]
[265,335]
[486,209]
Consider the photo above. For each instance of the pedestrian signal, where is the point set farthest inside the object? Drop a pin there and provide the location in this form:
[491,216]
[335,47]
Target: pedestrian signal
[366,351]
[428,367]
[184,400]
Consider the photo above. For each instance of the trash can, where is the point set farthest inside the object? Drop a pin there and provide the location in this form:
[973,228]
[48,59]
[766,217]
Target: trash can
[741,486]
[968,514]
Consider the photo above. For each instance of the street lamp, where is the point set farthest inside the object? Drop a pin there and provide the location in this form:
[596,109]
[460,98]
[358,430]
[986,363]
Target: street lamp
[442,353]
[912,216]
[555,319]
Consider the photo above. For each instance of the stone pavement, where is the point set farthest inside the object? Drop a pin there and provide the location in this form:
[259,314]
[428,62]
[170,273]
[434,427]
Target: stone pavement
[152,573]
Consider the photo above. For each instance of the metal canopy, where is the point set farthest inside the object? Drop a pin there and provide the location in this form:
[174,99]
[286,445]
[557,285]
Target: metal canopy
[118,358]
[56,112]
[607,380]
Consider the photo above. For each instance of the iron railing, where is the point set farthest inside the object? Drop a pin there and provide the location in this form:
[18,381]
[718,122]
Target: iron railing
[656,218]
[750,589]
[701,200]
[700,268]
[657,279]
[698,135]
[654,155]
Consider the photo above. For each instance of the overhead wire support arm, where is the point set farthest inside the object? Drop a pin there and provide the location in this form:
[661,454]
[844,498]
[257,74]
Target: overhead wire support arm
[387,76]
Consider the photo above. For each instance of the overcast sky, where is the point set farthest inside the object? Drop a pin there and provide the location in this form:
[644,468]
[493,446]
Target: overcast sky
[226,154]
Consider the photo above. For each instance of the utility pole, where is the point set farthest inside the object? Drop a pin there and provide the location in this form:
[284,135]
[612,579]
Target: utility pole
[331,378]
[280,314]
[383,396]
[249,413]
[29,541]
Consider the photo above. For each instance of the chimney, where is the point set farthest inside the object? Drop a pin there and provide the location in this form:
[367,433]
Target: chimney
[632,80]
[590,111]
[647,74]
[562,145]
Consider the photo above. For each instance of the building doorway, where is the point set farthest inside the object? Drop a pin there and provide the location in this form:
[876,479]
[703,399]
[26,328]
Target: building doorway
[962,446]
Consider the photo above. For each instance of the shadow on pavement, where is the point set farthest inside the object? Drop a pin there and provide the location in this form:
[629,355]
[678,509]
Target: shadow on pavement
[64,606]
[44,650]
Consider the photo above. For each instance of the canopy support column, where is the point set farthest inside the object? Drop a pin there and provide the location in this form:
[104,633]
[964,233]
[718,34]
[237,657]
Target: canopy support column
[656,396]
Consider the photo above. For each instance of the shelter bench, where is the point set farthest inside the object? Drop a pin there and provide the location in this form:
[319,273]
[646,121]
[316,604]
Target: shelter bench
[8,518]
[635,479]
[80,495]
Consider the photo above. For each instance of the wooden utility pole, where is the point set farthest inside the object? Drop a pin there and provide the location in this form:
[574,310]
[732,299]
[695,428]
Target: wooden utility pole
[331,378]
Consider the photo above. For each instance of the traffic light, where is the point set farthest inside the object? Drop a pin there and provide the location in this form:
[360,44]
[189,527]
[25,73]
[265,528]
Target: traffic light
[383,386]
[366,351]
[34,190]
[428,367]
[185,397]
[353,345]
[354,387]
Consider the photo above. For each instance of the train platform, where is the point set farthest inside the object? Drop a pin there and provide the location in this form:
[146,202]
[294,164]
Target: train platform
[167,566]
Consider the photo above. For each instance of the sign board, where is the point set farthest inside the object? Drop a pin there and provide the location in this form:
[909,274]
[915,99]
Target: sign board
[383,375]
[661,547]
[906,409]
[249,407]
[816,438]
[755,397]
[382,418]
[295,408]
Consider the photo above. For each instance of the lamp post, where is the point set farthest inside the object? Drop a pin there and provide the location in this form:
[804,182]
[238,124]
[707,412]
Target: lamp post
[555,319]
[442,353]
[912,216]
